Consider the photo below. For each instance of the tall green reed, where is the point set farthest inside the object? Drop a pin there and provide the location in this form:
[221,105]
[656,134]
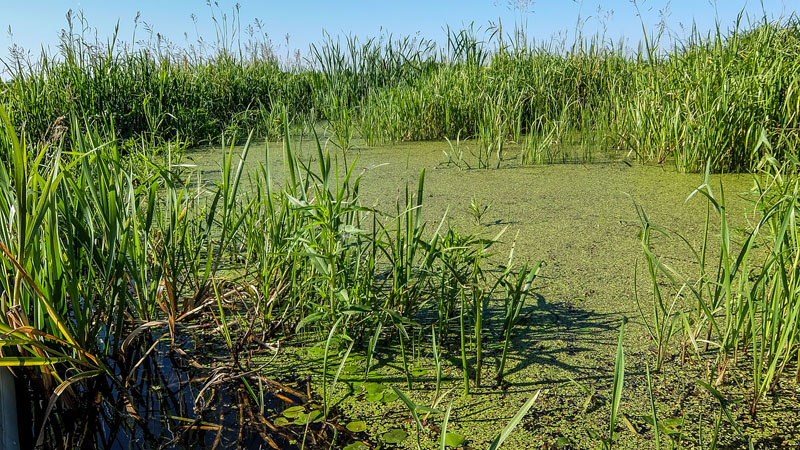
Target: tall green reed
[684,102]
[749,302]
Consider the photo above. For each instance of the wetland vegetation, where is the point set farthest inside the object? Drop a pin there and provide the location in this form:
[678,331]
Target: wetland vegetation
[398,244]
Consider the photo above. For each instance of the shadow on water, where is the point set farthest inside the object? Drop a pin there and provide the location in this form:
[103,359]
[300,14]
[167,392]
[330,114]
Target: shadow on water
[169,400]
[555,338]
[558,335]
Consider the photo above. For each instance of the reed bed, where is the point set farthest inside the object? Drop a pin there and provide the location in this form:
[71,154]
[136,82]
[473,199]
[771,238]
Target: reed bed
[708,97]
[742,307]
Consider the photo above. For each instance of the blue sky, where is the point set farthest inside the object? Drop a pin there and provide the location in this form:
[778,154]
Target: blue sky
[37,23]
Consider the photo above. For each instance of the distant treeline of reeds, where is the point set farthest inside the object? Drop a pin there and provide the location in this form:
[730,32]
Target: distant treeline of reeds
[707,97]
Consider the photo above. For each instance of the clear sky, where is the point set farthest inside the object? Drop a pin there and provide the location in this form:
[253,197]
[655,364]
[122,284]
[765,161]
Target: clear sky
[36,23]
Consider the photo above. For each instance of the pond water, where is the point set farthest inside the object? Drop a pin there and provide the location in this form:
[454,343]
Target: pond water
[580,219]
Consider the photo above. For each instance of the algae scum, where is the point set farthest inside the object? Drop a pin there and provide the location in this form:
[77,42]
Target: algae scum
[581,220]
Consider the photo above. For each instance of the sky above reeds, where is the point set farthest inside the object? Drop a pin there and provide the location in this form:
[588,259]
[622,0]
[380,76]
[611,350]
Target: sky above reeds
[33,24]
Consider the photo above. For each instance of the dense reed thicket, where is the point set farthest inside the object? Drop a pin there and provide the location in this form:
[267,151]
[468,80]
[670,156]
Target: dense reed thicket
[706,98]
[152,90]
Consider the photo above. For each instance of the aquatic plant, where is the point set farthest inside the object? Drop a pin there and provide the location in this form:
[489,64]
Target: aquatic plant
[516,292]
[703,98]
[661,326]
[750,299]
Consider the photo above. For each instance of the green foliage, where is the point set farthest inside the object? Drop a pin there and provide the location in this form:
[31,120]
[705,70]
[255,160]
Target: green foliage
[750,299]
[509,428]
[706,98]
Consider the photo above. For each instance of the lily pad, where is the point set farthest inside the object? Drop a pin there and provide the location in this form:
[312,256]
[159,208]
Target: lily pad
[671,424]
[293,412]
[357,426]
[374,388]
[395,436]
[357,446]
[454,439]
[313,416]
[376,397]
[315,352]
[281,422]
[389,397]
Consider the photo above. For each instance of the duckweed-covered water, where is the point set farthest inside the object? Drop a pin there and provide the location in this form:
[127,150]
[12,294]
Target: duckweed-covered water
[581,220]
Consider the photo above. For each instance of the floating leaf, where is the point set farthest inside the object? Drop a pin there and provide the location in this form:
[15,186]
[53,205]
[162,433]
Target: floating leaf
[418,372]
[454,439]
[389,397]
[293,412]
[313,416]
[357,426]
[357,446]
[673,422]
[395,436]
[374,397]
[667,426]
[281,422]
[315,352]
[374,388]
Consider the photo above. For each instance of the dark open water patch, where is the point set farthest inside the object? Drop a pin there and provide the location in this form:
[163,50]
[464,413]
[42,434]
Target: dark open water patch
[171,400]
